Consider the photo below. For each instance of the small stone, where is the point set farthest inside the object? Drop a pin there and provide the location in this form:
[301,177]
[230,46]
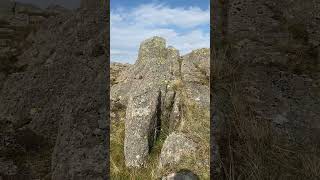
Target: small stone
[175,146]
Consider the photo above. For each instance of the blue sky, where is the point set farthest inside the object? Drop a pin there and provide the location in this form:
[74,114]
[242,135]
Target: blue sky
[184,23]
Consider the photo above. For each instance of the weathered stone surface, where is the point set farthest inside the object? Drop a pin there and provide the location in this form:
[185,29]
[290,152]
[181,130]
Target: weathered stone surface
[150,75]
[174,148]
[142,126]
[54,108]
[195,66]
[115,71]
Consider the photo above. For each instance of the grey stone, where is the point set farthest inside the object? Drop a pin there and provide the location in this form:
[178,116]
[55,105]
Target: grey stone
[142,118]
[174,148]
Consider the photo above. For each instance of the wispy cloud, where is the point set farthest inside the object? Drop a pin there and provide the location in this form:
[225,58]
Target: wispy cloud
[184,28]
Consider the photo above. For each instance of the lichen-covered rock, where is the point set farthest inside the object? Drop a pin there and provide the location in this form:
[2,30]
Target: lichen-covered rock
[175,147]
[151,73]
[115,71]
[195,66]
[142,126]
[152,48]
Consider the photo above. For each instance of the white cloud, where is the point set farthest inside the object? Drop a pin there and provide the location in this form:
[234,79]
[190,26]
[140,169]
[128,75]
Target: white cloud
[152,14]
[184,28]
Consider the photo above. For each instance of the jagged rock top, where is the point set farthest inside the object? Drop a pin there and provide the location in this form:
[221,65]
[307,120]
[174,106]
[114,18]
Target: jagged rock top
[199,54]
[151,48]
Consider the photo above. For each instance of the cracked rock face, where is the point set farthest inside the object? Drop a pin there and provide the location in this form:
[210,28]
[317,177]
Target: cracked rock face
[145,95]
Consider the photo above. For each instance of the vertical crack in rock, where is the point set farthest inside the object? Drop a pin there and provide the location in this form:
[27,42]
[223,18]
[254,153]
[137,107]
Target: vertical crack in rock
[148,80]
[155,125]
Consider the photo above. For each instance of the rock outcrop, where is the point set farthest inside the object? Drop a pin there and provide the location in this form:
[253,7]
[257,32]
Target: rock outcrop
[161,96]
[115,70]
[53,111]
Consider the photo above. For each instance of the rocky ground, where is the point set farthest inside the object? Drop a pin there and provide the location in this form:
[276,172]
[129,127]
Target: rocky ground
[160,113]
